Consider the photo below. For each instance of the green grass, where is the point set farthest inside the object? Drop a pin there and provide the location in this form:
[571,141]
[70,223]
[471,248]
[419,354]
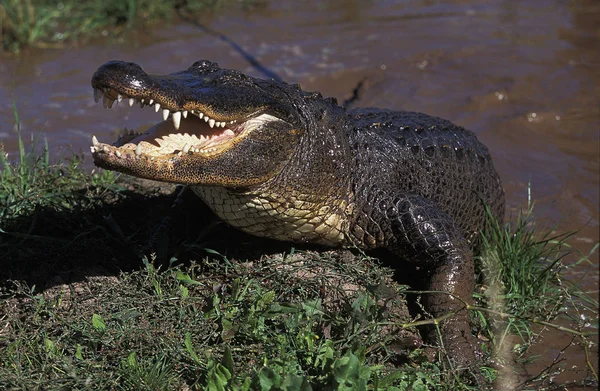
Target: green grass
[49,23]
[213,324]
[107,284]
[524,293]
[32,182]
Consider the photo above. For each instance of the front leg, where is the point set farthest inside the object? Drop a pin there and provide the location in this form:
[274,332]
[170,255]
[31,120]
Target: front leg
[417,230]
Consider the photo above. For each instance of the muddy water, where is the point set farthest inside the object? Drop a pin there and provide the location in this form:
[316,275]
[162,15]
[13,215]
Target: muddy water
[525,76]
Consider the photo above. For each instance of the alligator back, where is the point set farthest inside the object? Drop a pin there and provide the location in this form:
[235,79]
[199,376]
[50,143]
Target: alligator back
[417,154]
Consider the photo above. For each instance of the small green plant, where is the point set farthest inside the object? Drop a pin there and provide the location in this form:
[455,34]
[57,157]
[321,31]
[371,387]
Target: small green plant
[525,287]
[151,375]
[32,182]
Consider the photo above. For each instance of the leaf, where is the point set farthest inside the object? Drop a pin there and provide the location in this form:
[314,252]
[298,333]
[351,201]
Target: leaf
[267,378]
[227,360]
[312,307]
[218,377]
[131,360]
[185,278]
[79,352]
[229,329]
[418,385]
[190,348]
[185,292]
[50,347]
[98,323]
[350,373]
[295,382]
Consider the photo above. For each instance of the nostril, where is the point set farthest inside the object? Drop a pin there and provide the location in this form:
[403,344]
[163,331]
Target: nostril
[205,65]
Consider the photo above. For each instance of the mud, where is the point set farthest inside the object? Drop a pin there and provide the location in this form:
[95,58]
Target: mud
[524,76]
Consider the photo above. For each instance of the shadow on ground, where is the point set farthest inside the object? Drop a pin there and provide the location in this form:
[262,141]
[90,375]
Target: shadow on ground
[147,219]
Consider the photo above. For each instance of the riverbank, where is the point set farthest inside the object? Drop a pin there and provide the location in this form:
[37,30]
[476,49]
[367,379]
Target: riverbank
[109,282]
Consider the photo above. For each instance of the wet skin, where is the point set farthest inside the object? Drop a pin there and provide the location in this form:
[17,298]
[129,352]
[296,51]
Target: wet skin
[282,163]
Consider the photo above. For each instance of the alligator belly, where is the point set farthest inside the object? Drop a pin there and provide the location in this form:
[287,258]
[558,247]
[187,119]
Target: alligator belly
[268,215]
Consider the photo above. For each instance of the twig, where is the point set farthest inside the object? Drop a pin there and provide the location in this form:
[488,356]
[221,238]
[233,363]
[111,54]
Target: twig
[498,313]
[251,59]
[355,93]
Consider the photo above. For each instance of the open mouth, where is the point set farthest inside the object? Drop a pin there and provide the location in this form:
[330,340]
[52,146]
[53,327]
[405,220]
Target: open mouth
[183,132]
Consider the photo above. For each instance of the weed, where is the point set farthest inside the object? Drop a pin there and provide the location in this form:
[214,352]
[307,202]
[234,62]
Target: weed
[32,182]
[525,288]
[151,375]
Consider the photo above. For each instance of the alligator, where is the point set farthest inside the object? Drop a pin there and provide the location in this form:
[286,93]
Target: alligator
[278,162]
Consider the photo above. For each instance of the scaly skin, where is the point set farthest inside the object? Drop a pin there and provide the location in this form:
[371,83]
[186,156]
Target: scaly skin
[294,166]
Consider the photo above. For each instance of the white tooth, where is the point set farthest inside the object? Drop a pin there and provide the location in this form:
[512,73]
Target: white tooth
[98,93]
[185,113]
[138,150]
[179,154]
[119,98]
[211,122]
[186,148]
[118,153]
[229,132]
[200,114]
[142,100]
[176,119]
[107,102]
[206,118]
[156,107]
[93,149]
[162,141]
[105,149]
[131,102]
[165,114]
[94,141]
[150,102]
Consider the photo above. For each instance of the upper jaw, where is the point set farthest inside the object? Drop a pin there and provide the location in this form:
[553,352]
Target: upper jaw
[109,96]
[219,96]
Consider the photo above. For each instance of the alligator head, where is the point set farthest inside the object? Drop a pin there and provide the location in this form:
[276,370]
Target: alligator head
[220,127]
